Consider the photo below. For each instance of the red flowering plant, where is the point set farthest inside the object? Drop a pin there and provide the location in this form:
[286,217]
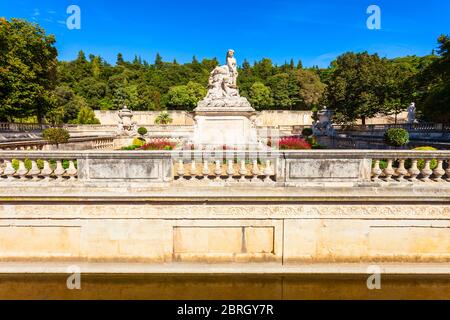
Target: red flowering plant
[293,143]
[159,145]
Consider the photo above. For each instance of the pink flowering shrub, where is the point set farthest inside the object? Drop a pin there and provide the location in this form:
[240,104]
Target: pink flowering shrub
[294,143]
[159,145]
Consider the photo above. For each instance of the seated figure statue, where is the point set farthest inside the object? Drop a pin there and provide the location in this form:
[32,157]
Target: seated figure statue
[222,87]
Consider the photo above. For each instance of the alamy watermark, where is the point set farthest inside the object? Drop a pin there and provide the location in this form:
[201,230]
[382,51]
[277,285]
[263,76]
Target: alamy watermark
[73,282]
[374,280]
[73,22]
[374,20]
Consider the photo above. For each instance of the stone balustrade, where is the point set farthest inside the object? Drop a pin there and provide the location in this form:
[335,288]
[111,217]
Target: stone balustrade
[43,168]
[21,127]
[76,143]
[283,168]
[226,166]
[426,167]
[411,127]
[103,143]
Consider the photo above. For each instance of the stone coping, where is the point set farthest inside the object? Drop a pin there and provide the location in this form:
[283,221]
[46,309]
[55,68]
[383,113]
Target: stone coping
[141,193]
[288,154]
[436,269]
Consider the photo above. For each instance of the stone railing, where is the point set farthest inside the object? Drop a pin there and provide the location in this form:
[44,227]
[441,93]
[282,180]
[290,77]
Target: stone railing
[284,168]
[103,143]
[80,143]
[412,127]
[424,167]
[226,166]
[21,127]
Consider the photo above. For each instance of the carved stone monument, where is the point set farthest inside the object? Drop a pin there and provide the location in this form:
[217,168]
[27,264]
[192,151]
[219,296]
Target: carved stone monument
[223,117]
[126,125]
[323,126]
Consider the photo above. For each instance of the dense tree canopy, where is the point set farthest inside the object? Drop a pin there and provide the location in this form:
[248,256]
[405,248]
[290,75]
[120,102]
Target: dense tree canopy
[433,90]
[27,70]
[357,85]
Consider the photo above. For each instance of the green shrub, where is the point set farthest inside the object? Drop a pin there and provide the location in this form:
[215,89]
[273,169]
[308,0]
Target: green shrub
[311,140]
[318,146]
[56,135]
[306,132]
[132,147]
[139,142]
[86,116]
[383,164]
[421,162]
[396,137]
[142,131]
[40,164]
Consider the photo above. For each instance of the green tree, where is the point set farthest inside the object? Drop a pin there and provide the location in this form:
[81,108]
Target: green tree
[260,96]
[163,118]
[434,97]
[56,135]
[27,70]
[87,116]
[158,61]
[357,86]
[279,86]
[311,89]
[185,97]
[120,60]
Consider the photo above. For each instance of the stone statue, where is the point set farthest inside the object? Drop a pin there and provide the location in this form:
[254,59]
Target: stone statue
[411,113]
[324,126]
[126,125]
[222,87]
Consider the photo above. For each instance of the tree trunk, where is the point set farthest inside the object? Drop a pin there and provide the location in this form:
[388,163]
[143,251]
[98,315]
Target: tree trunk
[363,120]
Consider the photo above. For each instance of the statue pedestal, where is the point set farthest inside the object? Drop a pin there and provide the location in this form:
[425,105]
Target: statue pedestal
[232,127]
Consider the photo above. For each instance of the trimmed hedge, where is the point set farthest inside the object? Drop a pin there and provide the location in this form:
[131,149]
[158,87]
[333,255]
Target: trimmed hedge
[142,131]
[396,137]
[306,132]
[56,135]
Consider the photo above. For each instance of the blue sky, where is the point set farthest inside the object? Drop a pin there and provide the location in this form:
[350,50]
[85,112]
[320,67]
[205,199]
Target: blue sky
[315,31]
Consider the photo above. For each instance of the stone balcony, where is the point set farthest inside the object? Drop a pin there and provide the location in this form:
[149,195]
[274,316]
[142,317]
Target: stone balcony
[279,208]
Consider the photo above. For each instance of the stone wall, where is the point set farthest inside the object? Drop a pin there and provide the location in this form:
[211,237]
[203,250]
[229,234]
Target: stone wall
[227,232]
[264,118]
[144,117]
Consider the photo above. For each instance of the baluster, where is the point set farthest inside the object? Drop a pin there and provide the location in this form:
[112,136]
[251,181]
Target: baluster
[230,169]
[401,171]
[34,171]
[439,172]
[9,170]
[413,171]
[376,171]
[268,171]
[59,171]
[389,171]
[205,170]
[72,171]
[180,170]
[193,170]
[255,170]
[47,171]
[426,171]
[22,170]
[447,171]
[218,170]
[242,171]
